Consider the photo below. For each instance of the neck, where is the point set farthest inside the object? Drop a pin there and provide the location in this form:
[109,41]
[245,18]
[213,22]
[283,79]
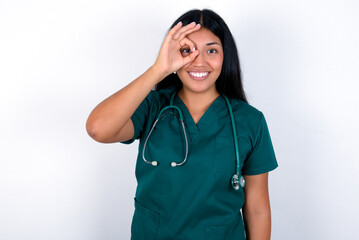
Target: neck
[197,102]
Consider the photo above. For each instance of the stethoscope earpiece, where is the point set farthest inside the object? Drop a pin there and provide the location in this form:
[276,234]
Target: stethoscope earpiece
[155,163]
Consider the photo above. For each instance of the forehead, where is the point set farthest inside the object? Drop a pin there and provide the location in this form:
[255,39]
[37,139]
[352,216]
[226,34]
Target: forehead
[203,36]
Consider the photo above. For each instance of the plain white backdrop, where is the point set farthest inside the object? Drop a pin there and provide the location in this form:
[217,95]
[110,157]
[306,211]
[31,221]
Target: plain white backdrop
[59,59]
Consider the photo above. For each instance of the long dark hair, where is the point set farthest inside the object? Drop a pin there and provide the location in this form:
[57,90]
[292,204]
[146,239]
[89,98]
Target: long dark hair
[229,81]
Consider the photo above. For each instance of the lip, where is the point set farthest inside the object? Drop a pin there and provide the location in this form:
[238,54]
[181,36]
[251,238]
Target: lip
[198,75]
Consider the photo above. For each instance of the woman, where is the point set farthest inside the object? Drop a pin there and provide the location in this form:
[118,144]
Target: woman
[188,185]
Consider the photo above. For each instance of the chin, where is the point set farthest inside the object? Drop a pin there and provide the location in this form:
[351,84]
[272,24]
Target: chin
[199,88]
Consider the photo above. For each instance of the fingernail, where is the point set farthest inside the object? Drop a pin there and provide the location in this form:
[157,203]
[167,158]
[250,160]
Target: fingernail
[194,49]
[198,24]
[179,22]
[193,22]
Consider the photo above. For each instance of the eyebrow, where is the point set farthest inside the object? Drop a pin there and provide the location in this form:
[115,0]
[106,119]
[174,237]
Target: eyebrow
[212,43]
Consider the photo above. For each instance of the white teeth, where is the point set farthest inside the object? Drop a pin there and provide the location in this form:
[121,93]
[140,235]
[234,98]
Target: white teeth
[199,74]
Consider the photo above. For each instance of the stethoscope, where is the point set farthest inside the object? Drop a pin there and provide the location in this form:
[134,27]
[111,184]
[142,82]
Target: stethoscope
[236,180]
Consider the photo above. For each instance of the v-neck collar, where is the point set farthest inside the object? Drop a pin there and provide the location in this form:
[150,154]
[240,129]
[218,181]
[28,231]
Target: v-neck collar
[206,119]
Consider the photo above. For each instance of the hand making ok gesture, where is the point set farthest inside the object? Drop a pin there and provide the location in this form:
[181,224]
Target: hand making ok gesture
[170,58]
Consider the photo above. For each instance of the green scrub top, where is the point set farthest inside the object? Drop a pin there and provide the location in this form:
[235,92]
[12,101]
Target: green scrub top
[196,200]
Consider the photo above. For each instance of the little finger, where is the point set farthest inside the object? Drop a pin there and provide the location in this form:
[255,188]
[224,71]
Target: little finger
[174,29]
[176,35]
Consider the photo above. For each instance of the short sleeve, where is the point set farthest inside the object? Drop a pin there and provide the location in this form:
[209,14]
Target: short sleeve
[139,118]
[262,158]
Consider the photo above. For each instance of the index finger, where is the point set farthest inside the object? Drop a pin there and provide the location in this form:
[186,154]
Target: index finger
[183,34]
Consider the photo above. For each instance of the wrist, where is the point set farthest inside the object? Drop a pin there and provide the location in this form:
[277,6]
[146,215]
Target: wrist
[159,72]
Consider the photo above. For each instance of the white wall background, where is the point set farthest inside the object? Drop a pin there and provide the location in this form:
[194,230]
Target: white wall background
[58,59]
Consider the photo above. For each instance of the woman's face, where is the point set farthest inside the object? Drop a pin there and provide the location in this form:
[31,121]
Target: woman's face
[201,74]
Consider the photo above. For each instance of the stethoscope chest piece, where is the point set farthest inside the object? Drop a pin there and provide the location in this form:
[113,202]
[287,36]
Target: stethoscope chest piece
[237,181]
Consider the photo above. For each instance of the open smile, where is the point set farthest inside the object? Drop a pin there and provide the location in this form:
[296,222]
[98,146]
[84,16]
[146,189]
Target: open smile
[198,75]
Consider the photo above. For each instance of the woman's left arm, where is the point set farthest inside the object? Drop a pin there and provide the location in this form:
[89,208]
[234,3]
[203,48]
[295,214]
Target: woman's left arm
[256,209]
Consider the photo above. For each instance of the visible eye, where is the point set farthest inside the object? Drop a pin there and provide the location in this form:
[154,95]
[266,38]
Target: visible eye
[212,51]
[185,51]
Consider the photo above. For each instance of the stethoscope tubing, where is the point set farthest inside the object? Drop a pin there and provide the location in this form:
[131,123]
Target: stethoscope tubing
[160,115]
[236,180]
[234,132]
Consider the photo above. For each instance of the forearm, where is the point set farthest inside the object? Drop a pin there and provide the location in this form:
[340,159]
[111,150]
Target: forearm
[110,120]
[111,115]
[258,224]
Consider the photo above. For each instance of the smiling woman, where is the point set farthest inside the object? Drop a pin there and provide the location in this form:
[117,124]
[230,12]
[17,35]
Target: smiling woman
[204,152]
[206,67]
